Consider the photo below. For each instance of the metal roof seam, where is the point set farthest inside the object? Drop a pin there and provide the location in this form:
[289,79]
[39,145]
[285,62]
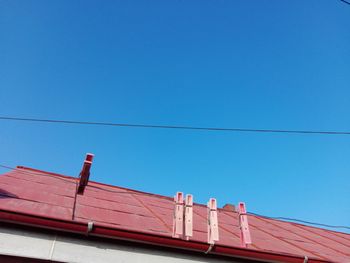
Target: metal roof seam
[335,233]
[153,213]
[303,236]
[39,172]
[119,211]
[290,243]
[49,193]
[25,179]
[37,202]
[227,230]
[324,236]
[238,235]
[52,175]
[291,222]
[127,191]
[113,201]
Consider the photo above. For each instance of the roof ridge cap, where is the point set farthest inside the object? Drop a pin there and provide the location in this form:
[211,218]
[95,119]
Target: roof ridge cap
[20,167]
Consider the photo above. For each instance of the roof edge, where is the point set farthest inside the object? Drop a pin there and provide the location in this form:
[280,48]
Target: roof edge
[158,240]
[171,198]
[20,167]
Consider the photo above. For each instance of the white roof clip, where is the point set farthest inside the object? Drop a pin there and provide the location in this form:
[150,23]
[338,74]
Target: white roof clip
[188,216]
[183,216]
[178,221]
[213,224]
[243,225]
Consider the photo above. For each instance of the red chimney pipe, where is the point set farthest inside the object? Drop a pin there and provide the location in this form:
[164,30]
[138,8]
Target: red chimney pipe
[85,173]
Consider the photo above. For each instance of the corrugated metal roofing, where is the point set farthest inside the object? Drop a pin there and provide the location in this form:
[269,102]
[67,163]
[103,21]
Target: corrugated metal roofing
[44,194]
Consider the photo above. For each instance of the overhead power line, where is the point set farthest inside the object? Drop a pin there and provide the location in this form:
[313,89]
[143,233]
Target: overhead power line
[139,193]
[298,220]
[346,2]
[153,126]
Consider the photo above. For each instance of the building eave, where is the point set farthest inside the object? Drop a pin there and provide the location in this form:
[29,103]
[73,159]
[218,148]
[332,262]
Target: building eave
[81,228]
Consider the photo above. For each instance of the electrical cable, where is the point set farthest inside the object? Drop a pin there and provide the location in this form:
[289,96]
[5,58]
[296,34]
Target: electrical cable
[132,125]
[346,2]
[298,220]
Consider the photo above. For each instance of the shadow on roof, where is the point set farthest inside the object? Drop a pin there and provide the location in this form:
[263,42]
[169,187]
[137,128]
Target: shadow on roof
[6,194]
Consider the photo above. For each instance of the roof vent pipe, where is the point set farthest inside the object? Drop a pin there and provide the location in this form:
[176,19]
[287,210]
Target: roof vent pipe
[229,208]
[85,173]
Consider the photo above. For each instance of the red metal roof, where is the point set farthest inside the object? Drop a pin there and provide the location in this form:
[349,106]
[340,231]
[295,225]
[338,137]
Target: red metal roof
[37,195]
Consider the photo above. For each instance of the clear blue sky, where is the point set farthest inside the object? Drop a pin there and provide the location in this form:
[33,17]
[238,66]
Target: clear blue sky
[251,64]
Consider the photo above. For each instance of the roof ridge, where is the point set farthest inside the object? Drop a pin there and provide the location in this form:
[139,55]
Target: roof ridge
[98,183]
[104,184]
[38,171]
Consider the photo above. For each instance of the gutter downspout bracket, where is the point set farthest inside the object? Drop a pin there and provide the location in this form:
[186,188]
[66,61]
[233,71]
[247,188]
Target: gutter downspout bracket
[90,226]
[210,248]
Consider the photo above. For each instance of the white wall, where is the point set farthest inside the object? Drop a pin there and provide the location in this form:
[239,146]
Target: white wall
[27,243]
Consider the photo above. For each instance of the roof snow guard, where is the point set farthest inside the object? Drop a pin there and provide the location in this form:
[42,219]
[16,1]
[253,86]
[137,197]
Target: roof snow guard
[243,225]
[183,216]
[46,200]
[213,225]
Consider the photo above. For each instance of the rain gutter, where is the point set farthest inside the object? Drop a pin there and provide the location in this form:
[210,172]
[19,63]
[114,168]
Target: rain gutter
[146,238]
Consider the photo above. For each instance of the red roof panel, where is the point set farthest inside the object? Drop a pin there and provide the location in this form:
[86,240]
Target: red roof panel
[48,195]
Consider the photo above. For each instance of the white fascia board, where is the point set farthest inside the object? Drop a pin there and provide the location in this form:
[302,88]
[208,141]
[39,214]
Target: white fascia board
[35,244]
